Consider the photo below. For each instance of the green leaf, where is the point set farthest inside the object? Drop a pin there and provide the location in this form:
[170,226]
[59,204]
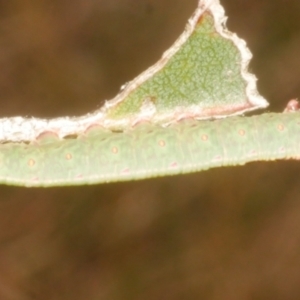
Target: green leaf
[203,75]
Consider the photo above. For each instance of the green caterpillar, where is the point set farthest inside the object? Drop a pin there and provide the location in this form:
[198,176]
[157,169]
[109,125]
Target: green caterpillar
[100,156]
[161,122]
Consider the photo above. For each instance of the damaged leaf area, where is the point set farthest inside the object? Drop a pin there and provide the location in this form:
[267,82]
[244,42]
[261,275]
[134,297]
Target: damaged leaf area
[205,78]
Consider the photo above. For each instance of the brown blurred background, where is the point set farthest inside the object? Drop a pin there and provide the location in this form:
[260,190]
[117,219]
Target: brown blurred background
[231,233]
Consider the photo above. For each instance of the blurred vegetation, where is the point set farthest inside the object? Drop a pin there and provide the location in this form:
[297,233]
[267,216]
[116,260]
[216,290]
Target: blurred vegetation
[231,233]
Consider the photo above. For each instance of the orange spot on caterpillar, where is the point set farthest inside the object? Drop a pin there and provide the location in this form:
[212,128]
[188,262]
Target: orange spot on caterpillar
[280,127]
[31,162]
[204,137]
[242,132]
[162,143]
[114,150]
[174,165]
[68,156]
